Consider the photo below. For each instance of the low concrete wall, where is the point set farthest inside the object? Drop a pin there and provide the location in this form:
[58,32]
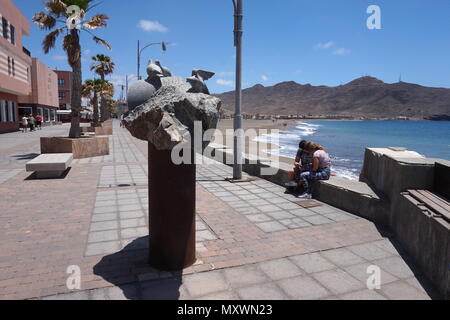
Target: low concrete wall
[379,196]
[85,147]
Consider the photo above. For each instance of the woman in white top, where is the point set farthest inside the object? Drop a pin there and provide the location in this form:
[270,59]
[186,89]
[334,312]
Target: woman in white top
[24,124]
[321,168]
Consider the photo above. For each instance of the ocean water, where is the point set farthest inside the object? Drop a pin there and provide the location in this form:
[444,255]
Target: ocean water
[346,140]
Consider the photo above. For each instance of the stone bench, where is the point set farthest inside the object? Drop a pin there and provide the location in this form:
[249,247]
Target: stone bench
[50,165]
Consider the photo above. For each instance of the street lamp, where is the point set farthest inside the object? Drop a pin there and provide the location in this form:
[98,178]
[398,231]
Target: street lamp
[238,133]
[139,51]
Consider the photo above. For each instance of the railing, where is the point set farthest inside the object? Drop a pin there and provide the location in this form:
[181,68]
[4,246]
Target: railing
[26,51]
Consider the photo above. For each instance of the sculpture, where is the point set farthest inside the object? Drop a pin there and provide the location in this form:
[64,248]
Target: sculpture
[164,116]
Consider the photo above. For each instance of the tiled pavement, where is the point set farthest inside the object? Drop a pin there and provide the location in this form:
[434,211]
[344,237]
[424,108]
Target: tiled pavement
[6,174]
[252,232]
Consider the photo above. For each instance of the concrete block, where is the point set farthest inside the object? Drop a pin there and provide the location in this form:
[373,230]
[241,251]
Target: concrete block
[50,165]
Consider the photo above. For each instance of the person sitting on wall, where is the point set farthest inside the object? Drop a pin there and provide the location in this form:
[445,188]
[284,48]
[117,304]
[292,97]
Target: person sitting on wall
[321,168]
[303,162]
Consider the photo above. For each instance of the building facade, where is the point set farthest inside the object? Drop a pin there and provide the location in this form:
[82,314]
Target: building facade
[43,99]
[64,89]
[15,64]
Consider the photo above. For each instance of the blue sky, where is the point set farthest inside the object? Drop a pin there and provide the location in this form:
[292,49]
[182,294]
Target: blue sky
[322,42]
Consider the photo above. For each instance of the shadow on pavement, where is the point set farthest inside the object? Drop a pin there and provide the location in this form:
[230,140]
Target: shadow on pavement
[424,282]
[129,270]
[28,156]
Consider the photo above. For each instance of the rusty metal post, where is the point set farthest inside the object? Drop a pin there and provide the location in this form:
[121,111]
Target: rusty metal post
[171,211]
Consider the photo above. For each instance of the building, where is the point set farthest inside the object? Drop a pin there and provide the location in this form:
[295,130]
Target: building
[64,89]
[43,99]
[15,64]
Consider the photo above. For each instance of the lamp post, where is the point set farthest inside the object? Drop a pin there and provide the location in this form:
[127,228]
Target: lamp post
[238,132]
[139,51]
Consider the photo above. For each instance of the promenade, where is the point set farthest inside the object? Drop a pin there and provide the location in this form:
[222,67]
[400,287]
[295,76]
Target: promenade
[253,240]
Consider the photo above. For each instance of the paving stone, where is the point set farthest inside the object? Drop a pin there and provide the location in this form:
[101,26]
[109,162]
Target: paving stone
[132,223]
[323,209]
[258,218]
[81,295]
[280,215]
[129,207]
[386,245]
[338,217]
[225,295]
[400,290]
[363,295]
[359,271]
[288,206]
[102,248]
[312,262]
[342,257]
[108,209]
[302,213]
[104,225]
[395,266]
[106,203]
[239,204]
[205,235]
[163,289]
[271,226]
[100,236]
[369,251]
[268,208]
[133,232]
[201,284]
[244,276]
[131,214]
[338,281]
[249,197]
[247,210]
[277,200]
[279,269]
[317,220]
[266,291]
[303,288]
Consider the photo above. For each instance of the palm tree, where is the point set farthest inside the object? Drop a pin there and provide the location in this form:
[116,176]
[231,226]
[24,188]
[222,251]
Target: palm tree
[57,11]
[95,89]
[103,66]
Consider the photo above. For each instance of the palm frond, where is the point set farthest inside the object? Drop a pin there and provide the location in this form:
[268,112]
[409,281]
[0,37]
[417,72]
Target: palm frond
[56,7]
[44,20]
[50,40]
[98,40]
[73,50]
[97,21]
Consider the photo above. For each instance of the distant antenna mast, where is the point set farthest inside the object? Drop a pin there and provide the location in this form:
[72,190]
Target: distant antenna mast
[400,78]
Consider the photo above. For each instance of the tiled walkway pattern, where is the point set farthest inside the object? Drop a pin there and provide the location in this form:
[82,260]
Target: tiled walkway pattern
[124,175]
[334,274]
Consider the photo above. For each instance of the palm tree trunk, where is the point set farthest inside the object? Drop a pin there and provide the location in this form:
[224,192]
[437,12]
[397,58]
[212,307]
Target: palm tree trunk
[103,111]
[76,86]
[95,106]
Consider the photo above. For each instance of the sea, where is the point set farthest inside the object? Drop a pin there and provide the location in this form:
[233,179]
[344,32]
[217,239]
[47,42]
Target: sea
[346,140]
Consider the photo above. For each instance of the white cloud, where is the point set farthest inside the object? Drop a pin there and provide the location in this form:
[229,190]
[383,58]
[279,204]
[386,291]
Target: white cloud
[264,78]
[227,83]
[150,26]
[342,52]
[59,58]
[325,45]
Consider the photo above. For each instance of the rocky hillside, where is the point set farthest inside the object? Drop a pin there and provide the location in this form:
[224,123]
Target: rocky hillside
[365,96]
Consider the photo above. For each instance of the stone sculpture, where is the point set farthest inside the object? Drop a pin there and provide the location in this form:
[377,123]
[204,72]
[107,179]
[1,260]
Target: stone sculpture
[164,115]
[198,79]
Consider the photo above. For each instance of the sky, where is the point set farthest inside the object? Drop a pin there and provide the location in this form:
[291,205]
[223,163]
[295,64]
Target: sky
[321,42]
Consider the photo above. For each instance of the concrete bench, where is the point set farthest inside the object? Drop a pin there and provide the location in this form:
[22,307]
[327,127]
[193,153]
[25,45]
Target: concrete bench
[50,165]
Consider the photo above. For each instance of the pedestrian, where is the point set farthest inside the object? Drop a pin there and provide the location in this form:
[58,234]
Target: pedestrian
[39,122]
[24,124]
[32,122]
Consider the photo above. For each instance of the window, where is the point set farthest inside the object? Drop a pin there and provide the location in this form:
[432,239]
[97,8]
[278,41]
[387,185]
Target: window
[5,28]
[61,95]
[61,82]
[6,111]
[2,111]
[13,68]
[9,66]
[12,31]
[10,111]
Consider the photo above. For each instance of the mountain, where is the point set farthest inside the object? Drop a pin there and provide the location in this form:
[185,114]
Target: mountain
[366,96]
